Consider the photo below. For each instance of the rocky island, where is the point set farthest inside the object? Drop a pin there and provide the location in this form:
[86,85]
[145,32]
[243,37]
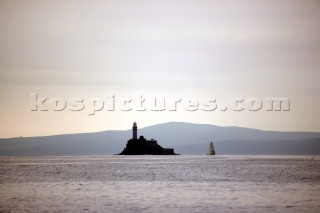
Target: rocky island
[142,146]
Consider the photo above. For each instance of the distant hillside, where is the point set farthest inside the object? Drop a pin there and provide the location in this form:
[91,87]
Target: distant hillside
[292,147]
[186,138]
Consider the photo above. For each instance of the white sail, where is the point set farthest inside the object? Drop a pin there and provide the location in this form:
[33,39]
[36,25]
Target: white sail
[211,149]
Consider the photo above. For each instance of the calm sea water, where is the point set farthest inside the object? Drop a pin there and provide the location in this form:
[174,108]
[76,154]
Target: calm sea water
[160,184]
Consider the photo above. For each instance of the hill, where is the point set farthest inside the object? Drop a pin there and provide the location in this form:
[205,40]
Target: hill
[185,138]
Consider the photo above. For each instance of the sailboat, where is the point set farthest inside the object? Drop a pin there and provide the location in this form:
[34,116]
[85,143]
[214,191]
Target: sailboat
[211,149]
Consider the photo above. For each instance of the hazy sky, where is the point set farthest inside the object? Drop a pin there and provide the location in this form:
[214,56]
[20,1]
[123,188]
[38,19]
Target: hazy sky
[172,49]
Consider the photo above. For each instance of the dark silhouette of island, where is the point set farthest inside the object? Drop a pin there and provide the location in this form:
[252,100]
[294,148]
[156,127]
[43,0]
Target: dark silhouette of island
[143,146]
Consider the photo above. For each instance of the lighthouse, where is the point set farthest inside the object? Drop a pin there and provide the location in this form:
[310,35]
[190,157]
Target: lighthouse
[142,146]
[134,131]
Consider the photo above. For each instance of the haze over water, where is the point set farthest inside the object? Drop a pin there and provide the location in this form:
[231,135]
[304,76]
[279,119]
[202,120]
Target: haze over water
[160,184]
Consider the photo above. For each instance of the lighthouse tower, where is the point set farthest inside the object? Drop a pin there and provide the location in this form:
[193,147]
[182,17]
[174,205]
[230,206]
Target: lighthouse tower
[134,131]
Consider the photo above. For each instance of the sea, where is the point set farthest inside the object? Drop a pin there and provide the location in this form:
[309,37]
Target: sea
[181,183]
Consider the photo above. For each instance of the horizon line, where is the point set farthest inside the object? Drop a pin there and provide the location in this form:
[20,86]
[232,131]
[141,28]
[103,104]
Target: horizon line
[75,133]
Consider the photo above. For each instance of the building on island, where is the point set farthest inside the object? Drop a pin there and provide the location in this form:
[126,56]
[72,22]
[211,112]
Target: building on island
[134,131]
[142,146]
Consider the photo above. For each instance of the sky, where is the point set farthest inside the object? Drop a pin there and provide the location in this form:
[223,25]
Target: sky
[179,49]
